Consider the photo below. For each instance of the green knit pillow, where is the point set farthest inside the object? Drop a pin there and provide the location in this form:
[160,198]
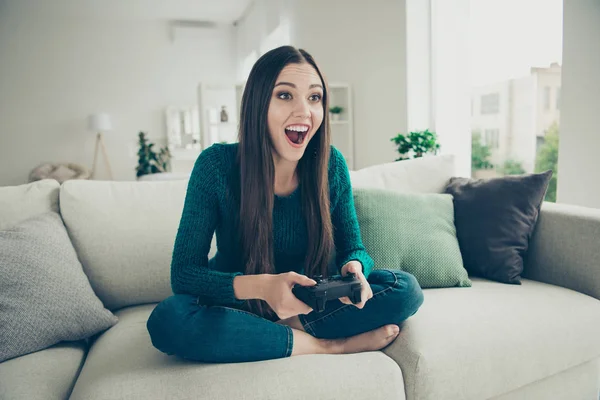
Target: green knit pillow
[412,232]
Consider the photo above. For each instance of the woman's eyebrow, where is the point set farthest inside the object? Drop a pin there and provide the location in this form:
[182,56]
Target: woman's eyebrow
[294,86]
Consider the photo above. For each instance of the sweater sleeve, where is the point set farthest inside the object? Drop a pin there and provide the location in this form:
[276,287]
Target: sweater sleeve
[348,243]
[190,273]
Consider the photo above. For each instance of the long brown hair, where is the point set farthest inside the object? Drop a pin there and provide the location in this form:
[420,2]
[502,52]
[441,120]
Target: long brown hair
[257,174]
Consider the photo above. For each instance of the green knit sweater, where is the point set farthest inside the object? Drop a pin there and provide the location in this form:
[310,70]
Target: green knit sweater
[207,208]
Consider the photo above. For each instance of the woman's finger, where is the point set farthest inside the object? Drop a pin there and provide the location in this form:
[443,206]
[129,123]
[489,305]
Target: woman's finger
[365,295]
[345,300]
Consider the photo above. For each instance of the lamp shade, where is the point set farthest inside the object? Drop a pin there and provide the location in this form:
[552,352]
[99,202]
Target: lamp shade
[99,122]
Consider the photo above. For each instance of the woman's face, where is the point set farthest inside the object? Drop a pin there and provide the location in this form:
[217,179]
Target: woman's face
[295,111]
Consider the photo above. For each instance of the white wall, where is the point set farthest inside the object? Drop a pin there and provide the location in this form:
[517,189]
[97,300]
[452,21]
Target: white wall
[363,44]
[264,26]
[437,56]
[56,70]
[418,65]
[578,161]
[450,80]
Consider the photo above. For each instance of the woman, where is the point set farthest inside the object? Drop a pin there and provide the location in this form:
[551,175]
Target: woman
[280,201]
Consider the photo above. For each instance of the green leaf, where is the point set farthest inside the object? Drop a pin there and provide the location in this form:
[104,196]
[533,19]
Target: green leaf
[547,159]
[416,144]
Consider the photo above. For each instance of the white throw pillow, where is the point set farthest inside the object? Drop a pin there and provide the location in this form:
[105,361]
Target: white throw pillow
[124,234]
[18,203]
[428,174]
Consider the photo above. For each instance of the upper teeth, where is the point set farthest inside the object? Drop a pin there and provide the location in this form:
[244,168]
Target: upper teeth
[297,128]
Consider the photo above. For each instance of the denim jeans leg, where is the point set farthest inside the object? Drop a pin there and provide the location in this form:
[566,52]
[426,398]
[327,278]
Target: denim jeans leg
[396,296]
[180,326]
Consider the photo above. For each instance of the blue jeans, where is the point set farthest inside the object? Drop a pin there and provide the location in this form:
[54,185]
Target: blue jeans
[180,325]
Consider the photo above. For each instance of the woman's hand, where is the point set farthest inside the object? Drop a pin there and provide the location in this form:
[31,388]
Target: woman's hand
[366,293]
[278,294]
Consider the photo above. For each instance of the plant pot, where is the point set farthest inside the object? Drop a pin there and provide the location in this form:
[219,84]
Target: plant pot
[335,117]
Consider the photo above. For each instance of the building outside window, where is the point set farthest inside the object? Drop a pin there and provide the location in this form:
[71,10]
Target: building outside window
[492,138]
[490,103]
[547,98]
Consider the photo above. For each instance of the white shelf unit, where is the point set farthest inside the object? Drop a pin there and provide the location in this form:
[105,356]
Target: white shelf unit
[342,130]
[211,99]
[183,136]
[193,128]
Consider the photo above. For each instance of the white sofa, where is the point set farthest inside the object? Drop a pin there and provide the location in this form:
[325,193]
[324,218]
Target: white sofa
[539,340]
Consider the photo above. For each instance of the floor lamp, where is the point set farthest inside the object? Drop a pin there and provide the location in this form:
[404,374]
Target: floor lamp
[100,123]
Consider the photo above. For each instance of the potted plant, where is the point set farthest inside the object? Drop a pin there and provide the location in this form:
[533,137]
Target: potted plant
[416,144]
[335,112]
[149,161]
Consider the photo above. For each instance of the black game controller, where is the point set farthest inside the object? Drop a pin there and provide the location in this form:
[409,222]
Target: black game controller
[333,288]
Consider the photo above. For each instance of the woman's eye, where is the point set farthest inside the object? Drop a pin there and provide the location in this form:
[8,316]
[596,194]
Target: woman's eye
[284,96]
[315,97]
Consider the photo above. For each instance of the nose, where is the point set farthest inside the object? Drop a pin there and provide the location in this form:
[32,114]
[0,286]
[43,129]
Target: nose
[301,108]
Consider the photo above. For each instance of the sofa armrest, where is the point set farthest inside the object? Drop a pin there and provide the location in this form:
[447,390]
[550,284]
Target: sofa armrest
[565,248]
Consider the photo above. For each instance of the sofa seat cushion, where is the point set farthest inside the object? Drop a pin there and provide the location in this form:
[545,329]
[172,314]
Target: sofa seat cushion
[123,364]
[483,341]
[47,374]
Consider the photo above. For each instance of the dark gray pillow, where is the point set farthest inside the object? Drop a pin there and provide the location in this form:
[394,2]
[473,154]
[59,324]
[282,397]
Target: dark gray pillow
[494,220]
[45,297]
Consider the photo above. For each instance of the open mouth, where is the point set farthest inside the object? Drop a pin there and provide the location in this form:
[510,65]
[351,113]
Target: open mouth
[296,133]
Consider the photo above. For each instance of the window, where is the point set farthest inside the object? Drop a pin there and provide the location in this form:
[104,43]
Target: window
[492,138]
[490,103]
[515,80]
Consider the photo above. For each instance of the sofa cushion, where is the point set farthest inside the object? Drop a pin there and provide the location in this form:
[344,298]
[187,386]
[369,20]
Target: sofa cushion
[18,203]
[564,248]
[490,339]
[495,219]
[46,374]
[124,234]
[580,382]
[412,232]
[428,174]
[45,297]
[123,364]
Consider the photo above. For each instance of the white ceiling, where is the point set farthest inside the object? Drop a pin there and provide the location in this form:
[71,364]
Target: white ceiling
[220,11]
